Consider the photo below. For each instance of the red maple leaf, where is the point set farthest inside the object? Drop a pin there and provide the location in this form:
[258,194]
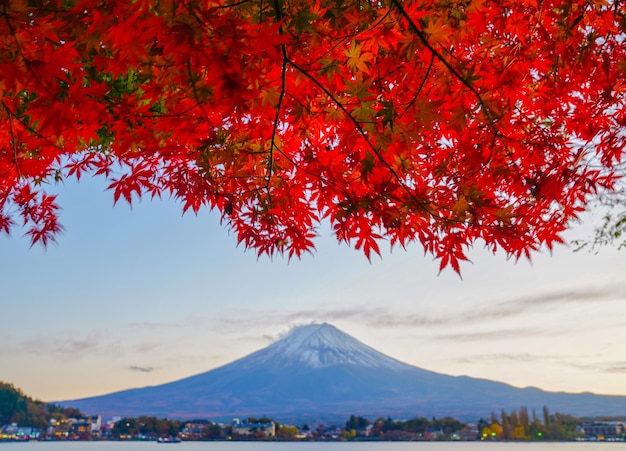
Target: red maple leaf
[407,121]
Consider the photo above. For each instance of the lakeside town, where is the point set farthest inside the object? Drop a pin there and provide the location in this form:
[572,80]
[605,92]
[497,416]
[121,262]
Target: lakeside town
[24,419]
[507,427]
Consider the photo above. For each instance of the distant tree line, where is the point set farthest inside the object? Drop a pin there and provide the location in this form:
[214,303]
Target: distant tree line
[16,407]
[519,425]
[413,429]
[146,426]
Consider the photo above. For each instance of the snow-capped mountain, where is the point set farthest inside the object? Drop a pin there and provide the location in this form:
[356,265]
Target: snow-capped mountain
[320,346]
[317,373]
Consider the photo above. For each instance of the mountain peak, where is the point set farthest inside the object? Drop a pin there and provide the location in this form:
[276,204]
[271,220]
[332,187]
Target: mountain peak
[316,373]
[319,346]
[314,334]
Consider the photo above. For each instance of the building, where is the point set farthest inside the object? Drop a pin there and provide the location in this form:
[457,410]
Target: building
[13,432]
[265,429]
[81,428]
[85,427]
[195,429]
[604,429]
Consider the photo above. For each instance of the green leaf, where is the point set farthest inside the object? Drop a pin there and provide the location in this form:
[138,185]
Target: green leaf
[304,20]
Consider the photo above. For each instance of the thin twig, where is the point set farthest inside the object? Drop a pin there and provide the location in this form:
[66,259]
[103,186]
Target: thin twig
[424,39]
[13,140]
[360,129]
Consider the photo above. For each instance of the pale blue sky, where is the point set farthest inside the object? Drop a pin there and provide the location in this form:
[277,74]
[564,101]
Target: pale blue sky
[129,298]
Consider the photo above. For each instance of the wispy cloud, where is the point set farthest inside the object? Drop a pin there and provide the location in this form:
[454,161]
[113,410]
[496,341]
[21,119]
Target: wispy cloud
[77,345]
[509,357]
[470,323]
[142,369]
[373,317]
[152,325]
[146,347]
[522,305]
[490,335]
[587,363]
[388,320]
[591,294]
[385,317]
[60,346]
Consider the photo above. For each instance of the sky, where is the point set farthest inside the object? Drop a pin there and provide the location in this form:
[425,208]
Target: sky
[131,297]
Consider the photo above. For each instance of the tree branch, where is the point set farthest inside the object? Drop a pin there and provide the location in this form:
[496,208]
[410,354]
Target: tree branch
[424,39]
[365,137]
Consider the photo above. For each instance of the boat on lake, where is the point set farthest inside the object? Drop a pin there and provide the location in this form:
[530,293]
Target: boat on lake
[169,439]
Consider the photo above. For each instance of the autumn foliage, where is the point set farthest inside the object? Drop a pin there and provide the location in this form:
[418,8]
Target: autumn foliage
[440,121]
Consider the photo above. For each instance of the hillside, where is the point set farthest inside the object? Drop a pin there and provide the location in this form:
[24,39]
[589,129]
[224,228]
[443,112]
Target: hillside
[16,407]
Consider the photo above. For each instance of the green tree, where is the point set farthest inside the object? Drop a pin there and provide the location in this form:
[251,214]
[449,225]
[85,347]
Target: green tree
[546,416]
[348,434]
[506,426]
[447,425]
[538,431]
[524,419]
[173,428]
[417,425]
[357,423]
[285,432]
[214,431]
[379,427]
[16,407]
[126,426]
[492,432]
[12,403]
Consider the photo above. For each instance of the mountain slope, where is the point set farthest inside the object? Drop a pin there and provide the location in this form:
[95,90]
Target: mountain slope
[318,373]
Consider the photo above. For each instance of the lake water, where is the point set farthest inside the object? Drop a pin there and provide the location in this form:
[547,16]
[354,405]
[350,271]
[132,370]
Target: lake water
[314,446]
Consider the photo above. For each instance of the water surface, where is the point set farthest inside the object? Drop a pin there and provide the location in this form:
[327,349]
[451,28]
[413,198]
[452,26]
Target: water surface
[313,446]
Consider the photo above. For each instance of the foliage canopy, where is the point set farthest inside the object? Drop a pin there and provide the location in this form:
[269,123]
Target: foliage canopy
[439,121]
[16,407]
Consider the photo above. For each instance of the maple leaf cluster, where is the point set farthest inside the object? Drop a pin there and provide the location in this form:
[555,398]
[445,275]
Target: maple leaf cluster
[445,122]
